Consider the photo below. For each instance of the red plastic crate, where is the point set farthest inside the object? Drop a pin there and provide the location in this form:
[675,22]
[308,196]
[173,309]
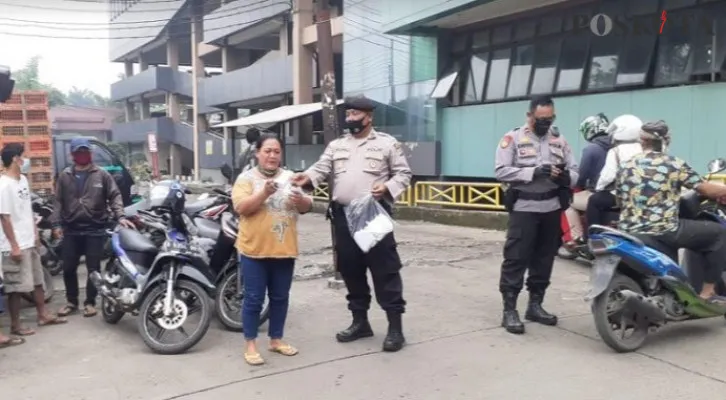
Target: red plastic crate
[35,98]
[36,115]
[12,130]
[11,116]
[40,162]
[38,130]
[38,146]
[41,177]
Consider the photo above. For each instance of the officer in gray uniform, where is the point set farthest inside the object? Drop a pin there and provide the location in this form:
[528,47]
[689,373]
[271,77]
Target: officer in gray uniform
[536,165]
[365,161]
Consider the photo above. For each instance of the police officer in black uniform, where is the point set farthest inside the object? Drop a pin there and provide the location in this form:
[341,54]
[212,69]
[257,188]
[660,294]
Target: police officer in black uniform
[536,165]
[365,161]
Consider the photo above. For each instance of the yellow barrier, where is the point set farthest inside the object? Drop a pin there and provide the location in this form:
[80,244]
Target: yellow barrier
[482,196]
[471,195]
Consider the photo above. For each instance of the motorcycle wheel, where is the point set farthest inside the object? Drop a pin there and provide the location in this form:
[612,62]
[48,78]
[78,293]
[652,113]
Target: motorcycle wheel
[229,304]
[110,312]
[604,324]
[47,285]
[157,294]
[566,254]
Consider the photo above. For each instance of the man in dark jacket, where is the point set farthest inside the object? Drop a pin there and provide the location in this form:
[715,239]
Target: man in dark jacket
[594,130]
[86,201]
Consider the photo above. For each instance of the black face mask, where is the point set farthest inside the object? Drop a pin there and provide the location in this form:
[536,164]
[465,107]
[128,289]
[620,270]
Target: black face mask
[542,126]
[355,127]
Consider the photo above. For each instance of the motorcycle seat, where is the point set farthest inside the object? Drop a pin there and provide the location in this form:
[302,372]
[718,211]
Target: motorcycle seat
[207,229]
[199,205]
[133,241]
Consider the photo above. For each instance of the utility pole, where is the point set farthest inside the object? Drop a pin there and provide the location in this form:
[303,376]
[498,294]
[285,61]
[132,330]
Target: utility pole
[331,129]
[197,73]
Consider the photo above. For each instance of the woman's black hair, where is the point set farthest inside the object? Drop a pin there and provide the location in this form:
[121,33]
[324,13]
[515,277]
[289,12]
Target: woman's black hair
[265,137]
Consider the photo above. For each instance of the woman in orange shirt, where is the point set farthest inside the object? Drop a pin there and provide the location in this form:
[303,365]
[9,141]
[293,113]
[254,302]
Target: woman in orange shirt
[267,243]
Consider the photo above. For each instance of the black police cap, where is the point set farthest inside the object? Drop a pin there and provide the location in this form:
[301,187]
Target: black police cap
[360,103]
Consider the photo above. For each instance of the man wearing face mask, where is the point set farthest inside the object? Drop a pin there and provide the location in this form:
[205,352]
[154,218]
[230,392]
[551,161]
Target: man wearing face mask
[86,201]
[365,161]
[536,165]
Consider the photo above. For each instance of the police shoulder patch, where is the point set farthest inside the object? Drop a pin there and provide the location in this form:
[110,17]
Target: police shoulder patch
[506,141]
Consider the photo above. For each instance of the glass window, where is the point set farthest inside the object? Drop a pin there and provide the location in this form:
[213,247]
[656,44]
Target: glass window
[101,157]
[498,74]
[605,55]
[674,4]
[708,59]
[525,30]
[459,43]
[477,77]
[635,60]
[572,63]
[550,24]
[444,85]
[502,34]
[675,55]
[480,40]
[545,66]
[642,7]
[522,61]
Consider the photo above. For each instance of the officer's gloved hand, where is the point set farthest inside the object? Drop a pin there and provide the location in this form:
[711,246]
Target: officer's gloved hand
[563,179]
[544,171]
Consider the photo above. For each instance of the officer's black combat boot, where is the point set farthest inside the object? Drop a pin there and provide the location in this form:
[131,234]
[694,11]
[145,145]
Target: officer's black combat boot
[360,328]
[536,313]
[394,340]
[510,317]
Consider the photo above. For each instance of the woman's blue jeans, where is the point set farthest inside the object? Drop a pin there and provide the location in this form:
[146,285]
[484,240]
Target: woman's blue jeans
[261,275]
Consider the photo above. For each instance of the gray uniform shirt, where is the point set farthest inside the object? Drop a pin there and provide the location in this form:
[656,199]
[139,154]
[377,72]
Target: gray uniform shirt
[359,164]
[517,156]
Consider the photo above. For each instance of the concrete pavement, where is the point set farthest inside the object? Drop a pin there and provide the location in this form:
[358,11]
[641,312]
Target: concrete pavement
[456,348]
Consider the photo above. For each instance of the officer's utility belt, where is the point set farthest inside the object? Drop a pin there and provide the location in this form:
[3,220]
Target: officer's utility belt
[336,209]
[539,196]
[512,195]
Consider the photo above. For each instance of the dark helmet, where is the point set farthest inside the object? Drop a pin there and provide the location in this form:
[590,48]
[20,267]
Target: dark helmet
[169,195]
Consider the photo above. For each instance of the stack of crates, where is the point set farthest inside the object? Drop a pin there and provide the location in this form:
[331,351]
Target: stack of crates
[24,118]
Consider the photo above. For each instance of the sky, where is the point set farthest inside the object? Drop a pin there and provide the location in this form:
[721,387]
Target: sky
[73,49]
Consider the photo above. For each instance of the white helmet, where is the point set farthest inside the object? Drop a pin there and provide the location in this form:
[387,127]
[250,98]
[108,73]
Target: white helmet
[625,128]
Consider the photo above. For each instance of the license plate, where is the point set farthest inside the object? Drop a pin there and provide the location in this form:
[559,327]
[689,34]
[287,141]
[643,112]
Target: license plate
[603,270]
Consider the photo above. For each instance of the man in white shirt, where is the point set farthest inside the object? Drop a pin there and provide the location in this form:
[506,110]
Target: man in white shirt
[21,265]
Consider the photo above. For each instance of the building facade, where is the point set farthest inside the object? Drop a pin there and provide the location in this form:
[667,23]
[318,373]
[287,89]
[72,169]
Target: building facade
[245,56]
[592,56]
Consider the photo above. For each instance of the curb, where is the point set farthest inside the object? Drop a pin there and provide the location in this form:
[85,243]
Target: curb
[490,220]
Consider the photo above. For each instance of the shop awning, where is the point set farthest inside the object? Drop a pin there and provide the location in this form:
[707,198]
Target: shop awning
[276,115]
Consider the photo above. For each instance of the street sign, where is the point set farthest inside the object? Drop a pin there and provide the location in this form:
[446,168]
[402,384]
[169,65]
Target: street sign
[153,148]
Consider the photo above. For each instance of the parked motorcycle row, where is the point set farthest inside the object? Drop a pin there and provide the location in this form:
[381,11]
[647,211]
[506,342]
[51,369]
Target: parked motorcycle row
[636,289]
[179,265]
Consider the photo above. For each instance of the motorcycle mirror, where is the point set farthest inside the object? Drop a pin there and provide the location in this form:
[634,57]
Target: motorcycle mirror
[716,166]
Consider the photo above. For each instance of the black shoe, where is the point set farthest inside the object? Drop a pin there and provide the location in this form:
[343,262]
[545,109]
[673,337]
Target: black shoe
[536,313]
[510,316]
[359,329]
[394,340]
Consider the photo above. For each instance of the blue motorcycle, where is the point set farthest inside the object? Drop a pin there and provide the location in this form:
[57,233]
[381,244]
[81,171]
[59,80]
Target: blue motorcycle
[636,289]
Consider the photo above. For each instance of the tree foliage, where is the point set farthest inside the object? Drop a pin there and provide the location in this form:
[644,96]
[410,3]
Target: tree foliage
[28,78]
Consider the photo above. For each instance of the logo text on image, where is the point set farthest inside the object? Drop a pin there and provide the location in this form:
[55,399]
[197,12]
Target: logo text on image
[619,25]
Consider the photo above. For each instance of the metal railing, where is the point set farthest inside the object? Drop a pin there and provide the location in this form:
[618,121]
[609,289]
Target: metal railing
[462,195]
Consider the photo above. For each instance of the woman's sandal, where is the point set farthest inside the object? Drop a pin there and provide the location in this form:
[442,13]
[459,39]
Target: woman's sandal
[12,341]
[254,359]
[284,349]
[89,311]
[22,332]
[53,320]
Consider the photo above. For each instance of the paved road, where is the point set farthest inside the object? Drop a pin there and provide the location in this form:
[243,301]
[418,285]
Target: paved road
[456,351]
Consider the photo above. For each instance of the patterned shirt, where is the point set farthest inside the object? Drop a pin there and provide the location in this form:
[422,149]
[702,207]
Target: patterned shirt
[270,232]
[649,188]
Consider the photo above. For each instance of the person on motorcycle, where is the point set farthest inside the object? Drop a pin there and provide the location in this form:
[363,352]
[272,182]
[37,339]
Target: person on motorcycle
[649,188]
[624,133]
[594,130]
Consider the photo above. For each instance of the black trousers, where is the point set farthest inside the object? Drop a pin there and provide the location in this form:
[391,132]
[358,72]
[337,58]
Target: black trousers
[383,262]
[707,238]
[74,246]
[598,206]
[532,243]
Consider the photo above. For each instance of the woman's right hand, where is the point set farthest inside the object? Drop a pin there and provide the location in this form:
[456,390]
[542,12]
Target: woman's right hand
[270,187]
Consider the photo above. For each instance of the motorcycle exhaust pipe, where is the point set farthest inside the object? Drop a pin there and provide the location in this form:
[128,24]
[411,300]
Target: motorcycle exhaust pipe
[100,284]
[642,306]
